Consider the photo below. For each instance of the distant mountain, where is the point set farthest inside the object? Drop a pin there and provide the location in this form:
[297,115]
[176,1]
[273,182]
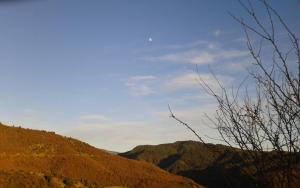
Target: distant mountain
[111,152]
[30,158]
[209,165]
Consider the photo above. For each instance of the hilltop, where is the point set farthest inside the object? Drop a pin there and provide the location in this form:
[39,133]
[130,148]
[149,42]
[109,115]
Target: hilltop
[45,159]
[209,165]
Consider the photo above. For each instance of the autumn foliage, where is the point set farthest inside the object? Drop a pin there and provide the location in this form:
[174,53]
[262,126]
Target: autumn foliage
[44,159]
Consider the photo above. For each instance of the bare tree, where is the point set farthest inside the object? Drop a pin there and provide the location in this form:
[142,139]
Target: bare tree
[270,118]
[264,124]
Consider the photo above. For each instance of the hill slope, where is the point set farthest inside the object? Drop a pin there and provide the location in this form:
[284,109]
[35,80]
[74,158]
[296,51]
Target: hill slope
[44,159]
[209,165]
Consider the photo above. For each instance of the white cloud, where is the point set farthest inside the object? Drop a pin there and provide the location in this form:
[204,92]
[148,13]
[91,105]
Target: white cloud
[195,117]
[241,40]
[189,45]
[139,78]
[192,81]
[193,57]
[164,85]
[200,57]
[184,46]
[212,46]
[185,81]
[229,54]
[141,85]
[240,66]
[142,90]
[122,135]
[217,33]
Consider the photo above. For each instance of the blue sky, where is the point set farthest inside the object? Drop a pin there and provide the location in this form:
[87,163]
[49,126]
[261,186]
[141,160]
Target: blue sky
[87,69]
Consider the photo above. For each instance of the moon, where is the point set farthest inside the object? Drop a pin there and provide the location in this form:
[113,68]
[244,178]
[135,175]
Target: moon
[150,39]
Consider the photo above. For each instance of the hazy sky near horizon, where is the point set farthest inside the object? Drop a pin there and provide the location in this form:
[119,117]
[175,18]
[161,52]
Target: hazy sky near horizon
[105,71]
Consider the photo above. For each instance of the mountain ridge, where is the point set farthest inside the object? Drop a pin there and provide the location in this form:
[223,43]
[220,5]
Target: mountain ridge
[45,159]
[207,164]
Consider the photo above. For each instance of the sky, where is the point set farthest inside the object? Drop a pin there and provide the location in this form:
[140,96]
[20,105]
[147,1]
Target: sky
[105,71]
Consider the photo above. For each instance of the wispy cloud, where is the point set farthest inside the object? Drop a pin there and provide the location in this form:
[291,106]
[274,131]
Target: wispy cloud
[140,78]
[196,117]
[238,66]
[193,57]
[240,40]
[164,85]
[201,57]
[122,135]
[217,33]
[185,81]
[195,44]
[141,85]
[192,81]
[175,47]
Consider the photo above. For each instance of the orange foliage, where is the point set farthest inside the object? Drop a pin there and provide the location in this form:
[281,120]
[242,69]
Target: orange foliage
[41,158]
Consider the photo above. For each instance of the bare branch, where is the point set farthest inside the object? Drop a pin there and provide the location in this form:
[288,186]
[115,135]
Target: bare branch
[185,124]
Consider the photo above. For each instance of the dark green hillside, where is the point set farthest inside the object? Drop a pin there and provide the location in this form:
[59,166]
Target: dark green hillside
[209,165]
